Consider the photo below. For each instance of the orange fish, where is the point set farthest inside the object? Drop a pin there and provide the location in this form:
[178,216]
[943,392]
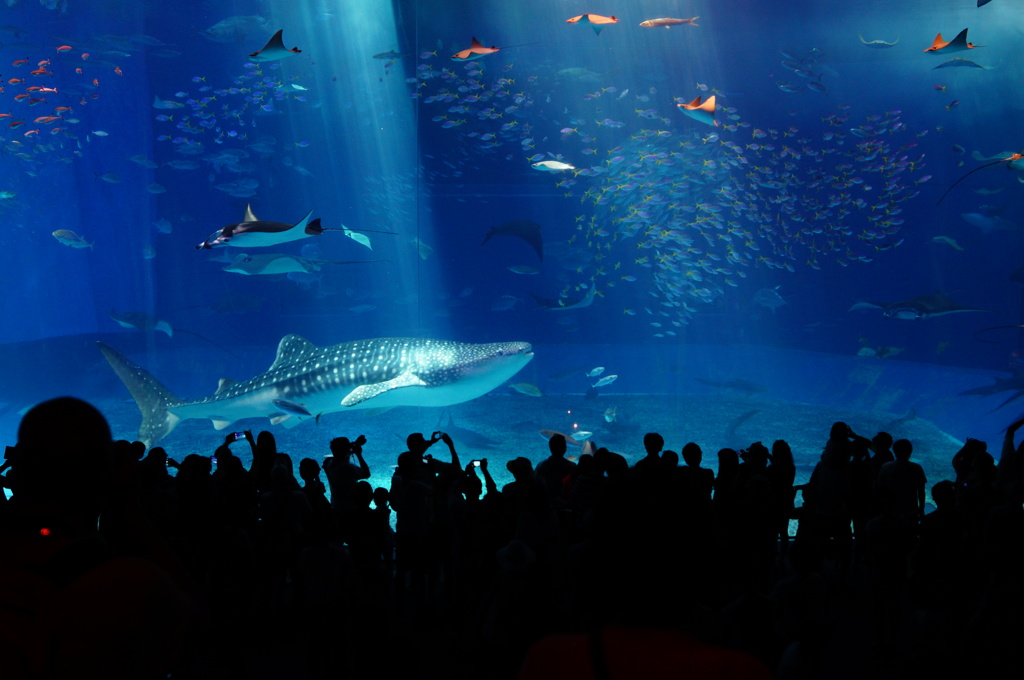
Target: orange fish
[37,100]
[44,62]
[46,120]
[669,21]
[117,70]
[41,72]
[85,55]
[78,70]
[48,89]
[12,81]
[705,113]
[596,21]
[957,44]
[19,97]
[6,115]
[62,108]
[96,82]
[475,51]
[64,48]
[32,132]
[56,130]
[19,62]
[16,124]
[33,88]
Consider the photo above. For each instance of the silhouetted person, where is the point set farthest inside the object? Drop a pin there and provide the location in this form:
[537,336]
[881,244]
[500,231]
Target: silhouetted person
[552,471]
[651,463]
[696,482]
[342,473]
[782,473]
[72,607]
[901,483]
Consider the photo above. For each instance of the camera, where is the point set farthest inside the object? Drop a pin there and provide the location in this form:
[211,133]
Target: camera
[239,435]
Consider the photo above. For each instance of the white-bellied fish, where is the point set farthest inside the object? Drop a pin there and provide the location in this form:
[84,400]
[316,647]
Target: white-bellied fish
[607,380]
[71,239]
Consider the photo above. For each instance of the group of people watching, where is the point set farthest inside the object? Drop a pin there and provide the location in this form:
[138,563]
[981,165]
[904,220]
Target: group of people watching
[111,566]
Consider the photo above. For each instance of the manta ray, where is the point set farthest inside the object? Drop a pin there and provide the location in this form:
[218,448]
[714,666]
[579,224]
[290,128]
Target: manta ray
[596,21]
[921,307]
[141,321]
[957,44]
[523,229]
[705,113]
[306,381]
[255,233]
[566,302]
[877,44]
[960,62]
[269,264]
[274,50]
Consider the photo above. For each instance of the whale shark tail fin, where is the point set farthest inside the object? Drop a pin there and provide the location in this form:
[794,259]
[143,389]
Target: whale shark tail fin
[152,398]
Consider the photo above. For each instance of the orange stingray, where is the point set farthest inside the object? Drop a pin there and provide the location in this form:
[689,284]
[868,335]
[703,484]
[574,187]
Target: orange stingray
[957,44]
[475,51]
[705,112]
[596,21]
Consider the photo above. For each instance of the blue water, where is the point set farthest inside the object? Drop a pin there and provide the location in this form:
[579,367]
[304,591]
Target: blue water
[709,252]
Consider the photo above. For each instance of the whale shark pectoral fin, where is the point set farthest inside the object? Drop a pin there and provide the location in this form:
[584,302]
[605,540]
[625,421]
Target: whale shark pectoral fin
[291,407]
[367,392]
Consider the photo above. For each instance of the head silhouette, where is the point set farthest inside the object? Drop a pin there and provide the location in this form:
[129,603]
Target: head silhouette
[63,455]
[557,445]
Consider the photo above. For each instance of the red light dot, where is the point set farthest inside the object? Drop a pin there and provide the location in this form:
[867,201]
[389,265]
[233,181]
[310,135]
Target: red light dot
[44,532]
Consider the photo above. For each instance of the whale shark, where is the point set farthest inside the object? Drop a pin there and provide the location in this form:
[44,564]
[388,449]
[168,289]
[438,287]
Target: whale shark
[306,381]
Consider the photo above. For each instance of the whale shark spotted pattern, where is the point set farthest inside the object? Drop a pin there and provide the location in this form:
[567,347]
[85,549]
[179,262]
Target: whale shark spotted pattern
[306,381]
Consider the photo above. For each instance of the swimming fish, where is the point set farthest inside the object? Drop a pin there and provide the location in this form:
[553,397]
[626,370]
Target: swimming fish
[769,297]
[947,241]
[957,44]
[305,379]
[607,380]
[596,371]
[522,229]
[669,21]
[566,302]
[596,21]
[528,389]
[552,166]
[274,50]
[704,113]
[71,239]
[921,307]
[254,233]
[878,44]
[390,55]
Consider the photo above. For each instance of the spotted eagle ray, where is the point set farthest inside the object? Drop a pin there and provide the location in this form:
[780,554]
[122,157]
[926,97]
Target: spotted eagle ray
[957,44]
[270,264]
[306,381]
[252,232]
[596,21]
[524,229]
[477,50]
[274,50]
[921,307]
[705,113]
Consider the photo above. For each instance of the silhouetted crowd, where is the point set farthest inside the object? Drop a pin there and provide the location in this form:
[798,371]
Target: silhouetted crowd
[112,567]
